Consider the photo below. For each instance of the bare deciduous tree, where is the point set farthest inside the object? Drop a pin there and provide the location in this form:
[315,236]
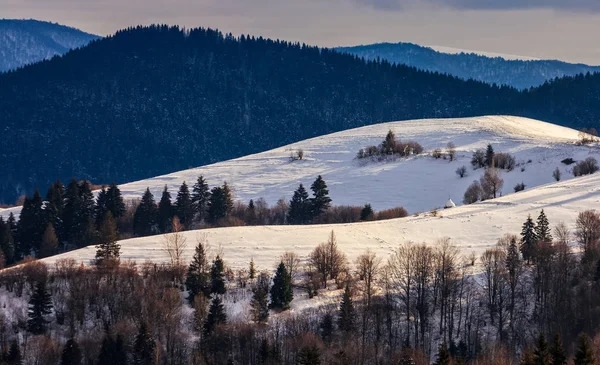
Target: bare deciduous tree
[368,265]
[174,244]
[588,234]
[328,260]
[491,183]
[451,150]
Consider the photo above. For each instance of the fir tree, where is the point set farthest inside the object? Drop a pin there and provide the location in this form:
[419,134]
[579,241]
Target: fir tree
[217,276]
[489,156]
[260,299]
[165,211]
[72,211]
[101,206]
[299,207]
[145,216]
[320,201]
[309,355]
[14,354]
[88,202]
[108,248]
[71,354]
[584,354]
[49,242]
[7,245]
[40,305]
[112,352]
[541,353]
[183,206]
[198,277]
[114,202]
[251,213]
[542,229]
[346,318]
[557,351]
[252,270]
[528,240]
[366,213]
[220,204]
[443,356]
[326,328]
[216,315]
[389,144]
[200,198]
[31,225]
[282,292]
[144,347]
[54,207]
[527,357]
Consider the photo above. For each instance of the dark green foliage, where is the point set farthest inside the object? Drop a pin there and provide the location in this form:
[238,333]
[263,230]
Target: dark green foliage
[14,354]
[542,229]
[184,208]
[49,244]
[31,226]
[144,347]
[346,316]
[443,356]
[320,201]
[299,211]
[40,305]
[54,207]
[115,203]
[217,276]
[282,292]
[79,214]
[326,328]
[7,243]
[584,354]
[528,239]
[198,280]
[112,351]
[541,353]
[101,206]
[145,216]
[251,213]
[366,213]
[108,248]
[489,156]
[216,315]
[309,355]
[71,354]
[165,211]
[252,270]
[557,351]
[260,298]
[200,198]
[220,204]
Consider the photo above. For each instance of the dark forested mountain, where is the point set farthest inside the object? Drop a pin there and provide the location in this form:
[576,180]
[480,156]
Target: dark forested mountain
[152,100]
[517,73]
[27,41]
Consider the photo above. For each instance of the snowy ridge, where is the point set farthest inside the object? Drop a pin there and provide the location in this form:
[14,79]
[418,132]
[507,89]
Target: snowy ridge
[510,57]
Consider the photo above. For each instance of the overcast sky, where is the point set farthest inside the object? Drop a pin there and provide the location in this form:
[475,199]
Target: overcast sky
[557,29]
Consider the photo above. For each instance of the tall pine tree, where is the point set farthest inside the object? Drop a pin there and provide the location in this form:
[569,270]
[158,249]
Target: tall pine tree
[7,244]
[346,317]
[184,208]
[165,211]
[542,229]
[115,203]
[217,276]
[282,292]
[320,201]
[220,204]
[54,208]
[557,351]
[528,239]
[40,305]
[260,298]
[31,226]
[71,354]
[541,353]
[216,315]
[145,216]
[584,354]
[200,198]
[299,211]
[198,280]
[144,347]
[108,248]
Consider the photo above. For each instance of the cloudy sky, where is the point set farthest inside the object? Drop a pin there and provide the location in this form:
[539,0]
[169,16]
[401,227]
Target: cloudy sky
[557,29]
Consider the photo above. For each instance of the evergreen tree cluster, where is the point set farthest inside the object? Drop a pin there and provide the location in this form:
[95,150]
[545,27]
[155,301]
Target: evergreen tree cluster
[302,209]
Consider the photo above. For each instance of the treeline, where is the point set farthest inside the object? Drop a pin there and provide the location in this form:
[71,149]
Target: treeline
[535,302]
[70,218]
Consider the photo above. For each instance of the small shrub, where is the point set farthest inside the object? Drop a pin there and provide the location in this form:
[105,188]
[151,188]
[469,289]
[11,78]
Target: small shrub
[556,174]
[437,153]
[504,161]
[586,167]
[478,159]
[473,193]
[519,187]
[461,171]
[298,155]
[434,212]
[391,214]
[451,150]
[568,161]
[587,136]
[523,169]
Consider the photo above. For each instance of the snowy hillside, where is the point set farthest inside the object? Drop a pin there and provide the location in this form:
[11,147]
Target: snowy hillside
[27,41]
[473,227]
[419,183]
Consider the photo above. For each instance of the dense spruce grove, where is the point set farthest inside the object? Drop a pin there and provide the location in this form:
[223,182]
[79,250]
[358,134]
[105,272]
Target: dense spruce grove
[71,218]
[152,100]
[535,301]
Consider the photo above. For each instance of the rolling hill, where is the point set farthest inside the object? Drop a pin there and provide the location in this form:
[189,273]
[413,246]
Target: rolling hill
[518,72]
[23,42]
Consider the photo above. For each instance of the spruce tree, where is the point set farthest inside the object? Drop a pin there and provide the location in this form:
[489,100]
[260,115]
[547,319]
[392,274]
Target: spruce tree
[54,207]
[389,144]
[108,248]
[260,299]
[145,216]
[144,347]
[326,328]
[299,207]
[40,305]
[443,356]
[557,351]
[489,156]
[542,229]
[112,352]
[115,203]
[252,270]
[183,206]
[71,354]
[31,226]
[71,216]
[251,213]
[200,198]
[584,354]
[14,354]
[7,245]
[346,318]
[198,276]
[309,355]
[49,245]
[220,204]
[216,315]
[282,292]
[528,239]
[541,353]
[366,213]
[88,202]
[165,211]
[101,206]
[217,276]
[320,201]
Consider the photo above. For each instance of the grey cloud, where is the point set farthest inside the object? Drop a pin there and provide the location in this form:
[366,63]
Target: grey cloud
[566,5]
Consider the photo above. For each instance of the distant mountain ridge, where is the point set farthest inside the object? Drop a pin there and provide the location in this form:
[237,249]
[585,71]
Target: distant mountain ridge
[521,74]
[23,42]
